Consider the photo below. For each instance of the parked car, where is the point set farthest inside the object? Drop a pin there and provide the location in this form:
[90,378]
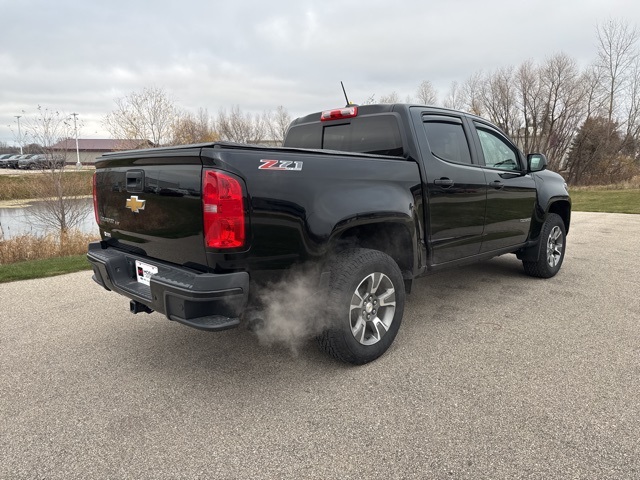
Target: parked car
[41,161]
[4,156]
[12,161]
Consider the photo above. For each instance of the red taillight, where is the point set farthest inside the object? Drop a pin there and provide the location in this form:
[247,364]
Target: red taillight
[95,199]
[223,207]
[337,114]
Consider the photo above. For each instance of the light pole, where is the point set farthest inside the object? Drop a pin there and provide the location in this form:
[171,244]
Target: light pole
[19,134]
[75,127]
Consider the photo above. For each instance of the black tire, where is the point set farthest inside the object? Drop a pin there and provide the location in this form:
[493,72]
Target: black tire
[362,327]
[553,240]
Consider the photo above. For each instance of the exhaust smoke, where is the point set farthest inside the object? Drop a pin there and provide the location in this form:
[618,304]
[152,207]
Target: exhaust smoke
[291,310]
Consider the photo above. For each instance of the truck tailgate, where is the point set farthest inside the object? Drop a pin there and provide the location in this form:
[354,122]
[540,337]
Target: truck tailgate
[149,202]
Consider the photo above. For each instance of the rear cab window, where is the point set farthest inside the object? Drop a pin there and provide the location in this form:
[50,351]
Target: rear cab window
[375,134]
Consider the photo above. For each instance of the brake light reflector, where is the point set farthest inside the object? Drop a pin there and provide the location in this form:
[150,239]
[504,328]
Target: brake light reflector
[95,199]
[223,210]
[338,113]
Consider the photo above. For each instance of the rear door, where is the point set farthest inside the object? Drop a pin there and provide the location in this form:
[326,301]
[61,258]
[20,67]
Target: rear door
[456,186]
[511,193]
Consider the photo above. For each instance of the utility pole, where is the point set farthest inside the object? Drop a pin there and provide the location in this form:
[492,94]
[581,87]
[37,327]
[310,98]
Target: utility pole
[19,134]
[75,127]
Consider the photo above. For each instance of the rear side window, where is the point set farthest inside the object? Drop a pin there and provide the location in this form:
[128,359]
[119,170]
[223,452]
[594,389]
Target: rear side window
[448,141]
[376,134]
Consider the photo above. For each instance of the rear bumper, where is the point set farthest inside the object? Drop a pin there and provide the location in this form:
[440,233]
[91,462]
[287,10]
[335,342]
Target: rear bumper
[201,300]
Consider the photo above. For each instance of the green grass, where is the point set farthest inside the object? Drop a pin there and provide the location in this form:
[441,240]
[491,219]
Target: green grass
[48,267]
[604,200]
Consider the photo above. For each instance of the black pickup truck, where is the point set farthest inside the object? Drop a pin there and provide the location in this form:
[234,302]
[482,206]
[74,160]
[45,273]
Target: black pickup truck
[371,196]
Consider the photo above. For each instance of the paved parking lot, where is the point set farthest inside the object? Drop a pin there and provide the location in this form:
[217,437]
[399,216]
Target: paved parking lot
[493,375]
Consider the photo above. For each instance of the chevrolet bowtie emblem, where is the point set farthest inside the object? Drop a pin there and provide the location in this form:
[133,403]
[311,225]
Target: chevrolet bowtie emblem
[134,204]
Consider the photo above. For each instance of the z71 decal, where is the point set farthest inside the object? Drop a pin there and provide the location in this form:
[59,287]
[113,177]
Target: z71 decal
[280,165]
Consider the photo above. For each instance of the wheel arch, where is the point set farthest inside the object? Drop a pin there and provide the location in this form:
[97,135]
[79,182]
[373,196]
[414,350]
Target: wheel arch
[561,208]
[394,238]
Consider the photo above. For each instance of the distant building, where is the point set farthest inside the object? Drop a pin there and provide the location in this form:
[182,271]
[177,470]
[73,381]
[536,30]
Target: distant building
[92,148]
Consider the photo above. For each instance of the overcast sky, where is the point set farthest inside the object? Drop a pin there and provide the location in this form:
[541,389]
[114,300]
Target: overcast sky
[77,56]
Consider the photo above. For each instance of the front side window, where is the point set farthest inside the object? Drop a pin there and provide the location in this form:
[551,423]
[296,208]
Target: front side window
[497,153]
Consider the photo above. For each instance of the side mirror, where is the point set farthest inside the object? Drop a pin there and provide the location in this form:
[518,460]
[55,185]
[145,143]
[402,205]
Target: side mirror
[536,162]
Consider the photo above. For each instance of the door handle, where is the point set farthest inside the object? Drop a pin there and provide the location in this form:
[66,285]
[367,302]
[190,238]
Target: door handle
[135,181]
[444,182]
[497,184]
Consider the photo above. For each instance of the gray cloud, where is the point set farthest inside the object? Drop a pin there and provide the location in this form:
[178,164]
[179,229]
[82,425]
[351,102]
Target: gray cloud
[79,56]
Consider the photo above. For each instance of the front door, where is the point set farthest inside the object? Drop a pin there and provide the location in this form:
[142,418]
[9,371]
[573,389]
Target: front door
[511,193]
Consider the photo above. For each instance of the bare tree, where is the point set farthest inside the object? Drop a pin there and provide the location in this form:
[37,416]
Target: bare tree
[563,108]
[633,108]
[145,115]
[278,125]
[617,54]
[60,194]
[426,94]
[595,95]
[240,127]
[454,98]
[529,103]
[393,97]
[472,94]
[370,100]
[189,128]
[6,148]
[498,94]
[47,127]
[62,203]
[540,107]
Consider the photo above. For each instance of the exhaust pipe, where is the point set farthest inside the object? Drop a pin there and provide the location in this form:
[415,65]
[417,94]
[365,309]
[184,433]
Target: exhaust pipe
[137,307]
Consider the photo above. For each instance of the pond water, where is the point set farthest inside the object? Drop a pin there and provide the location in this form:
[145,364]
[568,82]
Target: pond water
[16,221]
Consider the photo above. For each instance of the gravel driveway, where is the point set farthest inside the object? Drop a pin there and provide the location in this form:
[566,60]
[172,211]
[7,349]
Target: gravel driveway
[493,375]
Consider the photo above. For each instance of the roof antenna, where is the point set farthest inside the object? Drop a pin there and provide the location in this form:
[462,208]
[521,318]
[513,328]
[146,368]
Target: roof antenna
[345,95]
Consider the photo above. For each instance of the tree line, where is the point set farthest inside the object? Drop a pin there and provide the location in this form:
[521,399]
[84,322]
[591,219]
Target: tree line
[585,119]
[151,115]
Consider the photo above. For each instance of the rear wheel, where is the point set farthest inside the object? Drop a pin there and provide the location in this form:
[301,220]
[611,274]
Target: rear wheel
[552,248]
[365,302]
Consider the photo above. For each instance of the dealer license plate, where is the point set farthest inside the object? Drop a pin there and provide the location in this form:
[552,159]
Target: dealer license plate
[144,271]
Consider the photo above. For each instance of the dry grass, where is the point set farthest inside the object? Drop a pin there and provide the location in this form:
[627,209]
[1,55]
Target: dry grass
[36,184]
[634,183]
[29,247]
